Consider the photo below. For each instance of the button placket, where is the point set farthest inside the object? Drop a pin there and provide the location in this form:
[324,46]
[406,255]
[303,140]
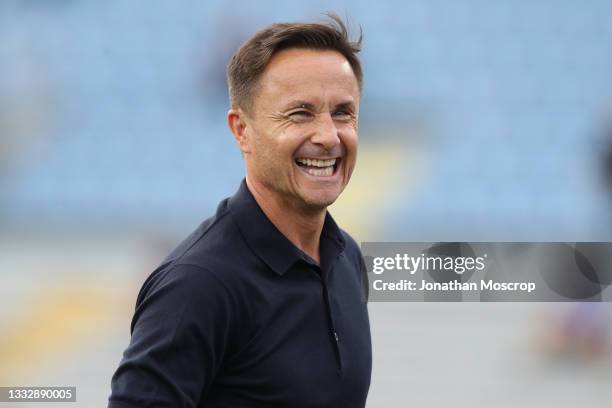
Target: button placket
[330,313]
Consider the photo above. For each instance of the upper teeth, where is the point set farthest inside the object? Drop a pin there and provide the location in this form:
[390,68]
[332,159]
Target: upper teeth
[316,163]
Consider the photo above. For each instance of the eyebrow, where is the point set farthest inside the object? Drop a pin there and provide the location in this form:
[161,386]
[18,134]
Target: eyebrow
[299,104]
[346,105]
[311,106]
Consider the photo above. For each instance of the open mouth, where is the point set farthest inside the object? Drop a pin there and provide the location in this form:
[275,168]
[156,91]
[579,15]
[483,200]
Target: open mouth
[318,167]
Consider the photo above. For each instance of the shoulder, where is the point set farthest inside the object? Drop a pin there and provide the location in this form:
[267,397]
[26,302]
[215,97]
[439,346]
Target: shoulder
[215,248]
[180,284]
[208,238]
[206,263]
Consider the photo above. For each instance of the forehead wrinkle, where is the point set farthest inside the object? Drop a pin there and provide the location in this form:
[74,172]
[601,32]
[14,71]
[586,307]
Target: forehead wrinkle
[316,94]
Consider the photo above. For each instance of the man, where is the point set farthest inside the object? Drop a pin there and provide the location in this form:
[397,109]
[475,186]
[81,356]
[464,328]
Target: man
[263,306]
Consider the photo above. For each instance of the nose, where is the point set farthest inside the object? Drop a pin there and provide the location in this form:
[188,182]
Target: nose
[326,135]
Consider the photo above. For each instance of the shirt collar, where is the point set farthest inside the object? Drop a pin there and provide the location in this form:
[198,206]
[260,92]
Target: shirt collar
[269,244]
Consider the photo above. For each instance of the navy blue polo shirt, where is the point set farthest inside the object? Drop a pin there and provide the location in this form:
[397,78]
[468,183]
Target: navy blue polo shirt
[237,316]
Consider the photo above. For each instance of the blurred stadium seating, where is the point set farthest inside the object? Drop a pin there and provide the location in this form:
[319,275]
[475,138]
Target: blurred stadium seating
[511,96]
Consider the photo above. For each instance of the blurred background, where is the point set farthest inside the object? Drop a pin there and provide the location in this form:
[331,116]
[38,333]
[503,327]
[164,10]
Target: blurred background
[480,121]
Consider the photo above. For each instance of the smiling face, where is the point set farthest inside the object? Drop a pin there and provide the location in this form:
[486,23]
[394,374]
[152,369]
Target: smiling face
[300,138]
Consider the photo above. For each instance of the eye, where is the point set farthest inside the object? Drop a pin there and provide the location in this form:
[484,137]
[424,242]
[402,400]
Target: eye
[343,115]
[300,115]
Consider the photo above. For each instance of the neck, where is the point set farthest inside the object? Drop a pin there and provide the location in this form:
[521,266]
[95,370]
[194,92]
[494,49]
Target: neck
[302,228]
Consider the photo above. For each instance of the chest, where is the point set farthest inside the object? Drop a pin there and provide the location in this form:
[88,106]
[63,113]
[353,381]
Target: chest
[308,342]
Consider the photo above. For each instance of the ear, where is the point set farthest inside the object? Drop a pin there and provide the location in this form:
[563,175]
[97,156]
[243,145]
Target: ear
[238,123]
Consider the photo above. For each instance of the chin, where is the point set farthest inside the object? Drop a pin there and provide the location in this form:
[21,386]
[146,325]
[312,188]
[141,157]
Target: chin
[320,202]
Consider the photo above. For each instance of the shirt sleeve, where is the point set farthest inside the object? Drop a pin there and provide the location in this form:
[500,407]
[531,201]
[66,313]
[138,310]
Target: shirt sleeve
[180,333]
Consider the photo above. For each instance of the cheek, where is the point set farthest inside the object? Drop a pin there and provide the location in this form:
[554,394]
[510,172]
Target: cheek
[276,153]
[350,143]
[290,143]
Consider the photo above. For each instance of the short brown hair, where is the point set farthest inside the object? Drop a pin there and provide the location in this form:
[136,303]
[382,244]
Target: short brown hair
[249,62]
